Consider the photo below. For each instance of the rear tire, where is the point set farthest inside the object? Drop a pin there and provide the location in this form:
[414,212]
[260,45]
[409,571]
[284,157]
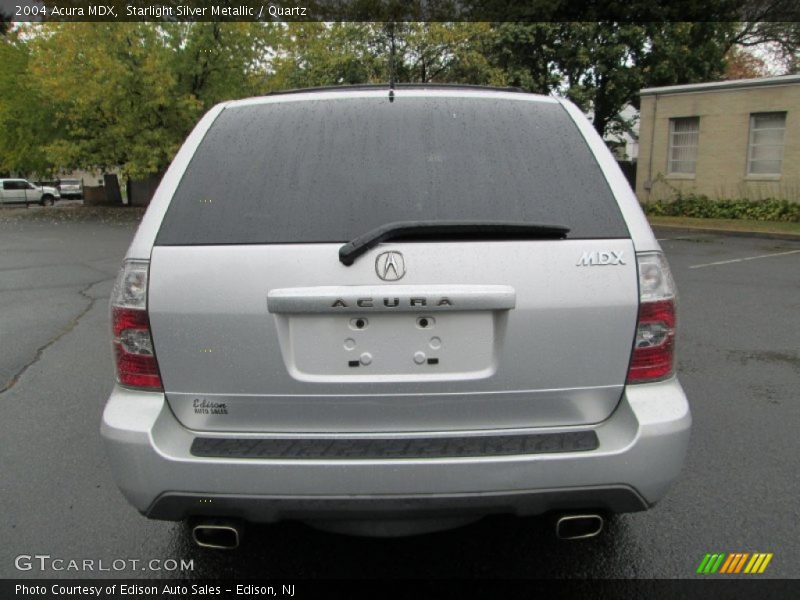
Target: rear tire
[47,201]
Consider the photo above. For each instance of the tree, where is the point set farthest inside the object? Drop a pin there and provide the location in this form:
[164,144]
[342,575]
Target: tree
[5,23]
[115,98]
[741,64]
[310,54]
[216,61]
[442,53]
[602,66]
[527,54]
[125,95]
[773,23]
[680,53]
[316,54]
[26,116]
[598,62]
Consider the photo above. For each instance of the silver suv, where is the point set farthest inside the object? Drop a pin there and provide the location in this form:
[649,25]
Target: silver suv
[392,311]
[71,188]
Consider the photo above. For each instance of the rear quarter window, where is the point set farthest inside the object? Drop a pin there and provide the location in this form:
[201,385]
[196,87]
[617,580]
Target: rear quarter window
[329,170]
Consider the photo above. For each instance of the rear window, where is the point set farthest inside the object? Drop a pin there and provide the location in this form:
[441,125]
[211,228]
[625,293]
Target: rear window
[329,170]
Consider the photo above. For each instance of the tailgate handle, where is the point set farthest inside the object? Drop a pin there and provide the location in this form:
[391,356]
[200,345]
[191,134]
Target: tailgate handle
[391,298]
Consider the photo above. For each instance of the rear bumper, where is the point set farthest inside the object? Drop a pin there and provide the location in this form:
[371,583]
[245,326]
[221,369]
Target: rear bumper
[641,451]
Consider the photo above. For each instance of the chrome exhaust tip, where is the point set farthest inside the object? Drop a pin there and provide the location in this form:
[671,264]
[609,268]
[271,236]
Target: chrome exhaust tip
[217,535]
[579,527]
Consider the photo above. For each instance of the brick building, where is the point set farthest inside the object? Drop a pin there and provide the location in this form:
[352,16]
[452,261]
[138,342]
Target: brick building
[730,139]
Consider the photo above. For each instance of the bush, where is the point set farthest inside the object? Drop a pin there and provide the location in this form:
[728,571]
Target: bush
[703,207]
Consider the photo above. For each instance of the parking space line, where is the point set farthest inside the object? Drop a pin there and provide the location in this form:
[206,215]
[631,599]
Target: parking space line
[736,260]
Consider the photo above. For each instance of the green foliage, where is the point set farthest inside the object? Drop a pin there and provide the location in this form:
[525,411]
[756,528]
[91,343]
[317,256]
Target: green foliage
[601,66]
[25,113]
[681,53]
[217,61]
[5,23]
[443,53]
[124,95]
[319,54]
[703,207]
[527,53]
[119,95]
[115,99]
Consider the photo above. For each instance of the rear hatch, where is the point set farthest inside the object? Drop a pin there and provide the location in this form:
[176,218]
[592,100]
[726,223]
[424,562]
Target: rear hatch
[258,326]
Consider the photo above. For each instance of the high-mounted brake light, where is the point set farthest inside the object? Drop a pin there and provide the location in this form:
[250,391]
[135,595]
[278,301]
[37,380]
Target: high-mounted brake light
[654,347]
[130,326]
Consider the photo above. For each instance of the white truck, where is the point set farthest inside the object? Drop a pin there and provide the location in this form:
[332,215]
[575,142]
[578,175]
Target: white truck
[22,191]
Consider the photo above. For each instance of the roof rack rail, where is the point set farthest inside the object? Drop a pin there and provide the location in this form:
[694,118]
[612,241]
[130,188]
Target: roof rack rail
[379,86]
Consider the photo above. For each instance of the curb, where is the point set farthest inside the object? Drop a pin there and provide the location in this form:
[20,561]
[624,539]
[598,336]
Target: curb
[729,232]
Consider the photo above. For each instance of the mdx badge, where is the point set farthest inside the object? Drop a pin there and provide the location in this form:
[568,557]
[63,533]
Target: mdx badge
[598,259]
[390,266]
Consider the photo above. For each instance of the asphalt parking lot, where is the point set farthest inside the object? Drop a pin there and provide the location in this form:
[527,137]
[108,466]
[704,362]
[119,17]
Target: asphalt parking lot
[739,363]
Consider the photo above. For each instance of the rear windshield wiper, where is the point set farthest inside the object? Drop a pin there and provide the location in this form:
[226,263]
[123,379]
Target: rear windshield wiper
[450,230]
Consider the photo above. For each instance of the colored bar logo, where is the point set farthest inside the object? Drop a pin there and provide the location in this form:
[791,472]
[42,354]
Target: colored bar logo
[735,563]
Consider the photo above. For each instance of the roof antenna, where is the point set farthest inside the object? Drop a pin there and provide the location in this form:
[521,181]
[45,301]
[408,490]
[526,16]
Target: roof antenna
[391,62]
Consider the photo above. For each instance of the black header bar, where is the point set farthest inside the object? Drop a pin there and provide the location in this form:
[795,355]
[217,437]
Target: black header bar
[399,10]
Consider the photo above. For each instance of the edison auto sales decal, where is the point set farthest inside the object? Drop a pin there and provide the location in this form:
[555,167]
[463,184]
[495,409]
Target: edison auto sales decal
[207,407]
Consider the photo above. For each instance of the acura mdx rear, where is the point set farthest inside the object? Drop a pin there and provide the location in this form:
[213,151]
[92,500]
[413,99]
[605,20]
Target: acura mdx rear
[392,311]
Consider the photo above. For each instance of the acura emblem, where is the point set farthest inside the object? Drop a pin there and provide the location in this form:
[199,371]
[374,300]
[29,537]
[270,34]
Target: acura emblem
[390,266]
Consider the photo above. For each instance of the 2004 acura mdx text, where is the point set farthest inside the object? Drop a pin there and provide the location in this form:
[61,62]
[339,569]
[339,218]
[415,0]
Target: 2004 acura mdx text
[392,311]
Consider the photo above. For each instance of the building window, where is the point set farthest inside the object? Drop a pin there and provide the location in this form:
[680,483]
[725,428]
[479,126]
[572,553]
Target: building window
[765,150]
[683,136]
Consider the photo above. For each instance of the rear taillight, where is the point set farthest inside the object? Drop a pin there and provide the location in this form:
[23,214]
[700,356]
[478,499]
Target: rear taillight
[130,327]
[654,347]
